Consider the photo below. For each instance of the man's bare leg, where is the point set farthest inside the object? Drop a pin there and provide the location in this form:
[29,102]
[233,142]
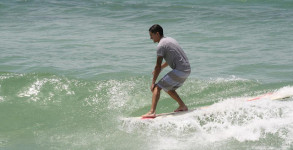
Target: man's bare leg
[175,96]
[155,99]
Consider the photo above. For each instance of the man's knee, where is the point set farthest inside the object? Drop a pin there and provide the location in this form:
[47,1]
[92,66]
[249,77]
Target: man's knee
[171,91]
[157,89]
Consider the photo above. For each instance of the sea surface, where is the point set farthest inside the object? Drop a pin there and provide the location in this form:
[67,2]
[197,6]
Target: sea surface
[74,74]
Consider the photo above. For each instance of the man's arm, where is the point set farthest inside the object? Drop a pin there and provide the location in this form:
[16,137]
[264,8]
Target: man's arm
[157,71]
[164,65]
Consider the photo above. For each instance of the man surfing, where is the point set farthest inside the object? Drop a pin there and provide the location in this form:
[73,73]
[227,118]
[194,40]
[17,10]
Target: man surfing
[174,56]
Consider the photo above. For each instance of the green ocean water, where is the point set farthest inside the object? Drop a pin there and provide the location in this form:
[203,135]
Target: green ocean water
[74,74]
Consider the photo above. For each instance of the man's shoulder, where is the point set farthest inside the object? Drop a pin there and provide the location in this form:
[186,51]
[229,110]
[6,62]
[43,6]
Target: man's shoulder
[166,41]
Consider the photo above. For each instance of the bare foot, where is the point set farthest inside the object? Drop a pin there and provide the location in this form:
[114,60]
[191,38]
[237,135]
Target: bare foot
[149,115]
[183,108]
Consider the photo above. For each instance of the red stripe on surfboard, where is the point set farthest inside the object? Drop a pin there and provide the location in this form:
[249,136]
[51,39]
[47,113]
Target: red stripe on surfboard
[259,97]
[144,118]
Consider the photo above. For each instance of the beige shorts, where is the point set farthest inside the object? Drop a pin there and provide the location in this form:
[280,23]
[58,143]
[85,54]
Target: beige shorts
[173,80]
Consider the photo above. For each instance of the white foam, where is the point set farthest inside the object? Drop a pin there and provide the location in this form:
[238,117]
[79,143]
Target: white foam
[121,94]
[3,142]
[35,88]
[283,92]
[229,79]
[10,75]
[234,118]
[1,99]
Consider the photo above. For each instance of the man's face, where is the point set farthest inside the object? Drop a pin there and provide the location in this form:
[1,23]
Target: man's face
[155,37]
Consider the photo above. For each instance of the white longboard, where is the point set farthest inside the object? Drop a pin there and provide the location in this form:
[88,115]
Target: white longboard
[171,114]
[271,96]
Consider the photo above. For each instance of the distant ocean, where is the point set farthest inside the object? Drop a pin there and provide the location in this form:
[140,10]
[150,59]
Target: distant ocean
[74,72]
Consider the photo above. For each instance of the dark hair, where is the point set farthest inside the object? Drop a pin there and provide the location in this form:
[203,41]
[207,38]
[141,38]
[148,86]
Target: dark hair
[157,28]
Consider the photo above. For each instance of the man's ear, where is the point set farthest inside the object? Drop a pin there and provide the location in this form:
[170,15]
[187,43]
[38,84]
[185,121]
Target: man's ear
[158,34]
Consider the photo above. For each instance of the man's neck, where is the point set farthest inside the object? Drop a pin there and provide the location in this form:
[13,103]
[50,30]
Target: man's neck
[161,38]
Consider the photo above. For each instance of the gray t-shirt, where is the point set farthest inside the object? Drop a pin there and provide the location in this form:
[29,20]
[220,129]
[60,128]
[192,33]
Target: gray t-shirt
[173,54]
